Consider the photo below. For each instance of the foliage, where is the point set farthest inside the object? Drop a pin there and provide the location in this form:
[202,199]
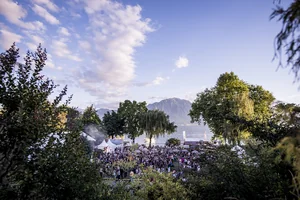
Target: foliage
[223,175]
[73,119]
[156,123]
[262,101]
[288,38]
[288,113]
[231,97]
[173,142]
[113,124]
[134,147]
[125,165]
[130,111]
[39,158]
[90,116]
[160,186]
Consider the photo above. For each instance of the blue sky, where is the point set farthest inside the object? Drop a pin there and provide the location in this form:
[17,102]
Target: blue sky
[147,50]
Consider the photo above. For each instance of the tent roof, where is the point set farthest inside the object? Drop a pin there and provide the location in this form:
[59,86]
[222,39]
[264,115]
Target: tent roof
[89,138]
[110,144]
[102,145]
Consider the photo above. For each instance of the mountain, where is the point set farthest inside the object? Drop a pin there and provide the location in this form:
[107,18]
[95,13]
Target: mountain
[177,109]
[102,111]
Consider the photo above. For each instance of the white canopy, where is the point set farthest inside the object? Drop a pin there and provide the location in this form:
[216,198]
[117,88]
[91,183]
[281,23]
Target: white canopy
[102,145]
[89,138]
[111,145]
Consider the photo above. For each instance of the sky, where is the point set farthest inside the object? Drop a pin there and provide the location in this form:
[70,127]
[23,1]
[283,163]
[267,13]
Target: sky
[108,51]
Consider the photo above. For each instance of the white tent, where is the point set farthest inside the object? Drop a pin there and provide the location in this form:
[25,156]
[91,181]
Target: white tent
[102,145]
[112,145]
[89,138]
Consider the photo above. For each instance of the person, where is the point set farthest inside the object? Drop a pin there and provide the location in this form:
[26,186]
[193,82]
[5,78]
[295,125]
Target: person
[131,174]
[118,173]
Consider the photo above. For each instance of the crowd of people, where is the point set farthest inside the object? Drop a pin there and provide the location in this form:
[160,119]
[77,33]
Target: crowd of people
[120,161]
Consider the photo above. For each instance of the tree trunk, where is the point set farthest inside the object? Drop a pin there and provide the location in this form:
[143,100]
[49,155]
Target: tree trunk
[133,140]
[150,137]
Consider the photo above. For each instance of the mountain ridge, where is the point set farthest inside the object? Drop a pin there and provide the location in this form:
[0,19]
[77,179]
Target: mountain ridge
[177,109]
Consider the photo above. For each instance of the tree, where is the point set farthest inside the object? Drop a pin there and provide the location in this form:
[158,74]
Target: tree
[287,113]
[113,124]
[73,119]
[262,100]
[224,175]
[155,123]
[39,159]
[155,185]
[288,38]
[90,116]
[130,111]
[230,97]
[173,142]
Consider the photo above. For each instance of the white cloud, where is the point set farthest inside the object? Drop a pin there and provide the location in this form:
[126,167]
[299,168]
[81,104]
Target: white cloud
[35,40]
[75,15]
[63,31]
[49,62]
[182,62]
[42,12]
[7,38]
[61,49]
[14,13]
[48,3]
[117,31]
[77,36]
[157,81]
[31,46]
[85,45]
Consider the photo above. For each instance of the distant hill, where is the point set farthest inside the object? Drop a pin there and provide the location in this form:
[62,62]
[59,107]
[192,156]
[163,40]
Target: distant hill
[177,109]
[102,111]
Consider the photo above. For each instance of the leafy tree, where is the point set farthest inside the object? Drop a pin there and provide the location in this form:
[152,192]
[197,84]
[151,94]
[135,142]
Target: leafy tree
[156,123]
[130,111]
[113,124]
[287,39]
[173,142]
[156,185]
[262,101]
[224,175]
[90,116]
[38,158]
[230,97]
[73,119]
[288,113]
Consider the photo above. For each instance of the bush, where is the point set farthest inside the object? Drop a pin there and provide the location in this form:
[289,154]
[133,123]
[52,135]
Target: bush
[173,142]
[40,158]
